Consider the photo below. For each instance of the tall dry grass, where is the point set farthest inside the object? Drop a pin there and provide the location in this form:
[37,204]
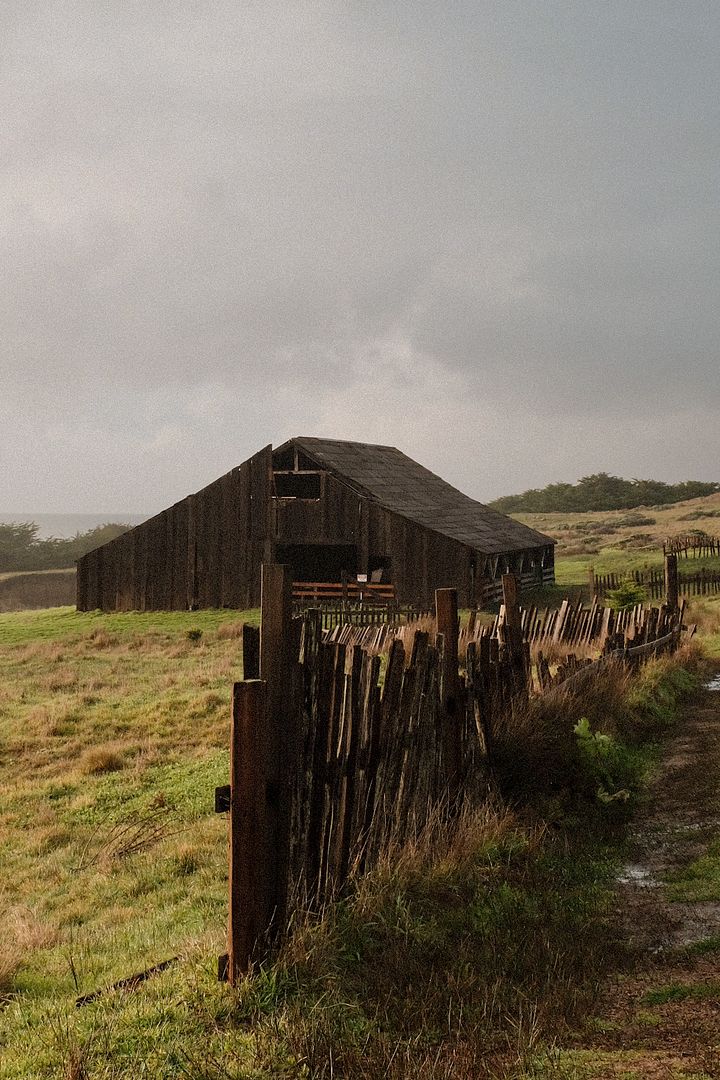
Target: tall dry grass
[21,934]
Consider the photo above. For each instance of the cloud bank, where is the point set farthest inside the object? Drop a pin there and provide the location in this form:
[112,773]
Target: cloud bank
[483,232]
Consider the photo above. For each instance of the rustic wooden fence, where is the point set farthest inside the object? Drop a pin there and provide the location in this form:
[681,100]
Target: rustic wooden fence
[697,545]
[573,624]
[703,582]
[362,613]
[330,763]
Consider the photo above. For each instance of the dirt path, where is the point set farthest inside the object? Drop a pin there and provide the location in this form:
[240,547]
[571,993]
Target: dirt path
[663,1019]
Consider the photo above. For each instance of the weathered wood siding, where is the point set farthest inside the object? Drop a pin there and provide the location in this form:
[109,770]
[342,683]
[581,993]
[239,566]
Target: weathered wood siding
[422,560]
[205,551]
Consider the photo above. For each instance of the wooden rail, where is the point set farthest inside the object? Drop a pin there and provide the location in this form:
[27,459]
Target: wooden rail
[358,591]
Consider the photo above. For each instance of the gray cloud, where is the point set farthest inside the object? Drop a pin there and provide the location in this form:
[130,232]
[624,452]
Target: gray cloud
[484,231]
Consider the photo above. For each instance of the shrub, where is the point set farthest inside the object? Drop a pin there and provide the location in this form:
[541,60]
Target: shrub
[612,768]
[626,596]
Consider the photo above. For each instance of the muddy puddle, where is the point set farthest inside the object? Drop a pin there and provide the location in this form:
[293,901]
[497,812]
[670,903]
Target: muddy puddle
[639,876]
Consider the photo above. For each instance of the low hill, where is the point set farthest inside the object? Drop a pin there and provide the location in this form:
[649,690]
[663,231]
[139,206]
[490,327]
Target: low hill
[601,491]
[612,540]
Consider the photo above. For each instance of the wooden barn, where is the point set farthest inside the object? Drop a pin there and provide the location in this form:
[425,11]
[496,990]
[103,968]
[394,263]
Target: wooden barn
[333,510]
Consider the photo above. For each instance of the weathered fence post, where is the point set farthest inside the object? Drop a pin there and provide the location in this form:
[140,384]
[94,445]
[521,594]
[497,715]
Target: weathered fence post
[671,582]
[514,638]
[279,657]
[591,581]
[263,753]
[446,618]
[252,832]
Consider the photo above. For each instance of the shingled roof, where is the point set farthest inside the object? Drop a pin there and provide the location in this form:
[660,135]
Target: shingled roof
[395,481]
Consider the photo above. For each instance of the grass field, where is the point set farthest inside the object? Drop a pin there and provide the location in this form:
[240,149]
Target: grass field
[617,540]
[113,735]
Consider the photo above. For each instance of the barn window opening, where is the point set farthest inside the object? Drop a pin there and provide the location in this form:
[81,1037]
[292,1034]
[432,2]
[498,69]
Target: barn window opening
[319,562]
[297,485]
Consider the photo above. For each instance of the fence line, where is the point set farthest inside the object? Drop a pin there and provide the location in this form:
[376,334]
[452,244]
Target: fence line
[360,613]
[701,545]
[329,764]
[703,582]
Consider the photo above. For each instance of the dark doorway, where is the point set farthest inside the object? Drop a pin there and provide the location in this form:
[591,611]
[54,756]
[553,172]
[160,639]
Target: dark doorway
[319,562]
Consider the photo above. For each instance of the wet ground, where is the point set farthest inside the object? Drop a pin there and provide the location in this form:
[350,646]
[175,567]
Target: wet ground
[662,1019]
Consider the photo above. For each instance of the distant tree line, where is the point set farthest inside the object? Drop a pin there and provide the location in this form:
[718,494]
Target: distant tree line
[21,549]
[601,491]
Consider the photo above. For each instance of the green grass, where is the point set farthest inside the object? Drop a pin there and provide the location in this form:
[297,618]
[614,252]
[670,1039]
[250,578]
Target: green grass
[70,626]
[700,880]
[113,735]
[664,995]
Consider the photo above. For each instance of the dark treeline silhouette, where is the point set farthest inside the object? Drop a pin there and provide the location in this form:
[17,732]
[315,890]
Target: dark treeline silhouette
[601,491]
[21,549]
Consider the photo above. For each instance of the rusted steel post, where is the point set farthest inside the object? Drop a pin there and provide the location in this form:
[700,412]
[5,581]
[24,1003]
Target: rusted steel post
[671,582]
[446,618]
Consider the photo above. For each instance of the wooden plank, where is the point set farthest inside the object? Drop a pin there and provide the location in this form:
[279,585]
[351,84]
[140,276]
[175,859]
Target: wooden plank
[671,582]
[446,620]
[252,847]
[278,659]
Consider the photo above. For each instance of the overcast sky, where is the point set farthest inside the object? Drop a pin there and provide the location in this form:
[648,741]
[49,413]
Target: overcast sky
[484,232]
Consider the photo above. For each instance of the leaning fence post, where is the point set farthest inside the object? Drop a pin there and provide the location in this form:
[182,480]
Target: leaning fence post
[513,628]
[279,657]
[671,582]
[252,848]
[446,618]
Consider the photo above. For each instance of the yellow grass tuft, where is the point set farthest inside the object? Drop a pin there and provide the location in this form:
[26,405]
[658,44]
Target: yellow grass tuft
[101,759]
[22,934]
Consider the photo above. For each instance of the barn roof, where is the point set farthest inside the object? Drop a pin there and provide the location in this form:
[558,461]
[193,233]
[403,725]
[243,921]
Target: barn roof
[401,485]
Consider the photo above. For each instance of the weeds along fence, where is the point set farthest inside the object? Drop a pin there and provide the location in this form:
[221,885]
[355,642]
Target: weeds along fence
[337,752]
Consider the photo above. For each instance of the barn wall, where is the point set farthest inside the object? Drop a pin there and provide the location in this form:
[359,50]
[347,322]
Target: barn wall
[205,551]
[422,560]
